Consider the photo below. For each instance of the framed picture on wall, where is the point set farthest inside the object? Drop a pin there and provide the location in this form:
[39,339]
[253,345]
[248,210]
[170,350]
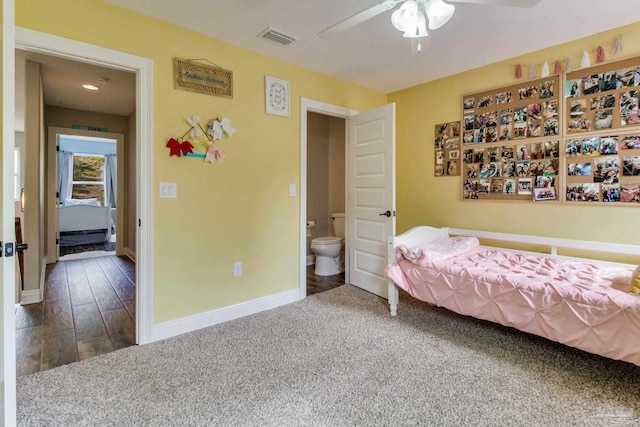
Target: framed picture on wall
[277,96]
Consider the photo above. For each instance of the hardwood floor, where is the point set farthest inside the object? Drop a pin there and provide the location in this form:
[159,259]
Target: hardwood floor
[316,284]
[88,309]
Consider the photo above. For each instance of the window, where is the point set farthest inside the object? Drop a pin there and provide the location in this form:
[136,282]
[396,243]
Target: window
[88,177]
[16,174]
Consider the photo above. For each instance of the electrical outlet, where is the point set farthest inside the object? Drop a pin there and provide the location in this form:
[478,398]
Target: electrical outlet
[237,269]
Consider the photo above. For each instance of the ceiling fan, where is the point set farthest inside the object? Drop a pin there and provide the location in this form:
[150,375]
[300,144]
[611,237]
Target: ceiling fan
[411,18]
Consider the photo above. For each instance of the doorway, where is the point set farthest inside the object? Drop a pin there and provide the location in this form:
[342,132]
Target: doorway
[309,106]
[87,306]
[326,186]
[88,208]
[34,41]
[370,215]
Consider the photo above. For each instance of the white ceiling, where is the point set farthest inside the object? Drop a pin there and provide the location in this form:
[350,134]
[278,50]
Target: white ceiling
[62,82]
[374,54]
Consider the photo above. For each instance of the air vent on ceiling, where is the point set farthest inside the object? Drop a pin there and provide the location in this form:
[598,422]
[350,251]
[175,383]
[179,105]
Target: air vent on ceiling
[277,36]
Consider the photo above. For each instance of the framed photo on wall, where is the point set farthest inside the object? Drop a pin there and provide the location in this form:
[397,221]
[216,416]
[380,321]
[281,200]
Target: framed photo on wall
[277,96]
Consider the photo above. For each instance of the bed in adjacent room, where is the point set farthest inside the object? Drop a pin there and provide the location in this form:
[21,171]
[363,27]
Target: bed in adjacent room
[84,222]
[582,303]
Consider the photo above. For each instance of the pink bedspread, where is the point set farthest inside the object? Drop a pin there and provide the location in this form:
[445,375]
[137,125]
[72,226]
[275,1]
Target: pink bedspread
[581,304]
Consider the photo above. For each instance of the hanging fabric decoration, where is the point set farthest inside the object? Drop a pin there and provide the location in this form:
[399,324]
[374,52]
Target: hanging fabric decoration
[617,46]
[179,148]
[545,70]
[518,71]
[599,54]
[196,129]
[202,142]
[585,62]
[214,153]
[532,71]
[557,69]
[569,65]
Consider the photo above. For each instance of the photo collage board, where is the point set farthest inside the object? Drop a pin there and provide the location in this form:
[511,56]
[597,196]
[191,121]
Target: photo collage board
[603,169]
[603,98]
[511,142]
[602,134]
[447,146]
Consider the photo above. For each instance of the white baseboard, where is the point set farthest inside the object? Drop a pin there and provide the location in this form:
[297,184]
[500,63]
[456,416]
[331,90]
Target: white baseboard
[130,254]
[311,259]
[198,321]
[34,296]
[31,297]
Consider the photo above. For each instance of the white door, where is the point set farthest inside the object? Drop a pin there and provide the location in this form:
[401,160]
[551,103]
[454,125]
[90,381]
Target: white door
[372,199]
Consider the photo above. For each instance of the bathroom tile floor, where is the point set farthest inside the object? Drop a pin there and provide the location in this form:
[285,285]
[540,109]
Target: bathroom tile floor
[316,284]
[88,309]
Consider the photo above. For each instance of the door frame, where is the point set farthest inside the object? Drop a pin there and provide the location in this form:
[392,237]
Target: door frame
[48,44]
[312,106]
[7,265]
[52,252]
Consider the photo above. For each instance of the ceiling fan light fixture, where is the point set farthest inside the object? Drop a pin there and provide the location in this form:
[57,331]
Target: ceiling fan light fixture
[438,13]
[419,29]
[406,16]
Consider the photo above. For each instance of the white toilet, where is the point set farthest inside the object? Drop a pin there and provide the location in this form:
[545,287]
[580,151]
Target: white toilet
[330,250]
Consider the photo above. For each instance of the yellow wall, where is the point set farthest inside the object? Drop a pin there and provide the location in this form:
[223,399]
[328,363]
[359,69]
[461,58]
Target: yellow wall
[424,199]
[241,210]
[236,211]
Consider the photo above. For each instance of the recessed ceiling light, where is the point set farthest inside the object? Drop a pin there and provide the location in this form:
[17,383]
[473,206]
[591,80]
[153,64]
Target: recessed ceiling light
[91,87]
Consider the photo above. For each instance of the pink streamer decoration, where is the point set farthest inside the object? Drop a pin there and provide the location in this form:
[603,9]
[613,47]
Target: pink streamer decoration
[558,68]
[600,54]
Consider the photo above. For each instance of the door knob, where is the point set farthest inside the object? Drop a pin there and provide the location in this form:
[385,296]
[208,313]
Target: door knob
[22,247]
[387,214]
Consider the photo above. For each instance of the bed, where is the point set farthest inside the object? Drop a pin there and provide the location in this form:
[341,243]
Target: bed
[582,303]
[84,223]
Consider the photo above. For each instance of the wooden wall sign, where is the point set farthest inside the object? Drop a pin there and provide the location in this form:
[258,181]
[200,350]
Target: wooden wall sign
[197,77]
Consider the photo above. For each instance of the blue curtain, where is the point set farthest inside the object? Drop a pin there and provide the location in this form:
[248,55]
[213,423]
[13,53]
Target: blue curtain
[110,180]
[65,180]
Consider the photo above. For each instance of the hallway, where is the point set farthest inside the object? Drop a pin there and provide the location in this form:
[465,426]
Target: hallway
[88,310]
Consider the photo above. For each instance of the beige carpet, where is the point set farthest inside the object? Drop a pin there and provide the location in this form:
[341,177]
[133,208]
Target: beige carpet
[339,359]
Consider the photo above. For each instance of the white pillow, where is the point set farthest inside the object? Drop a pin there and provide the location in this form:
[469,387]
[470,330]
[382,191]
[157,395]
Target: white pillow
[87,202]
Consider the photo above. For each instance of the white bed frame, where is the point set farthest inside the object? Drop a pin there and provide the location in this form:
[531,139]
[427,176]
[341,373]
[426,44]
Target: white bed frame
[84,217]
[425,234]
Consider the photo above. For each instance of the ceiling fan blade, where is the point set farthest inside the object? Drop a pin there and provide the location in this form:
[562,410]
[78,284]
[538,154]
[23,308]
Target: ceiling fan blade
[512,3]
[359,18]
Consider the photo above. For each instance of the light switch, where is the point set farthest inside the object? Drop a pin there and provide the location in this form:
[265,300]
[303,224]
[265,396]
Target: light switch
[168,190]
[292,190]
